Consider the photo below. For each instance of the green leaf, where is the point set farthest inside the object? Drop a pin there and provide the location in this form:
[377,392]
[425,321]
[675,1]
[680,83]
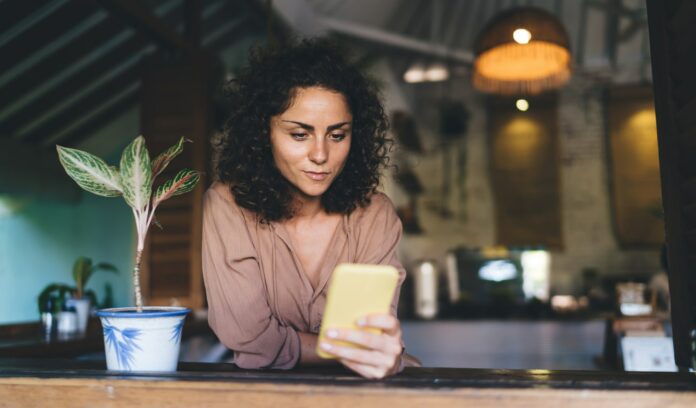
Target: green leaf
[183,182]
[62,291]
[163,159]
[90,172]
[105,267]
[136,174]
[82,269]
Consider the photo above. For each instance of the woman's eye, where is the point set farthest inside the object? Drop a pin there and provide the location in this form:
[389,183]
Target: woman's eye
[298,136]
[338,136]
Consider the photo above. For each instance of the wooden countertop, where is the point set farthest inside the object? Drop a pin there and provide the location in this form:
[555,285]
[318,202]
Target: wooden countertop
[32,382]
[35,379]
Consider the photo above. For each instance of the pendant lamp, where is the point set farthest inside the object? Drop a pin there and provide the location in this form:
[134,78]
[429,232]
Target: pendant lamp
[523,50]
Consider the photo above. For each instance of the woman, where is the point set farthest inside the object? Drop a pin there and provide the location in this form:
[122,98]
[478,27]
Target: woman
[298,170]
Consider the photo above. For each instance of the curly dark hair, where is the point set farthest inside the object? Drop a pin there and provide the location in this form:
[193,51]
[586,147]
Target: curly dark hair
[266,88]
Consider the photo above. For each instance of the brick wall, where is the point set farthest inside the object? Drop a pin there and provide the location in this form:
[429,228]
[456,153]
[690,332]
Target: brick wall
[585,202]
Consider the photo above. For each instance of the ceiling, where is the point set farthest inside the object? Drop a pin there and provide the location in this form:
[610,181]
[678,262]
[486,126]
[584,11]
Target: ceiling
[70,66]
[609,38]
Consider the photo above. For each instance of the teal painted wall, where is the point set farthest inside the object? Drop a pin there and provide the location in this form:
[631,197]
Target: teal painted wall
[40,239]
[39,242]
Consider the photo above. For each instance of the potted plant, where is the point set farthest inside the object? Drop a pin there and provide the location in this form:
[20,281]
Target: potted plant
[76,296]
[140,338]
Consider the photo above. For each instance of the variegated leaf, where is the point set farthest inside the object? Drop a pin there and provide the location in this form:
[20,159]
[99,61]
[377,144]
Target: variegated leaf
[163,159]
[183,182]
[136,174]
[90,172]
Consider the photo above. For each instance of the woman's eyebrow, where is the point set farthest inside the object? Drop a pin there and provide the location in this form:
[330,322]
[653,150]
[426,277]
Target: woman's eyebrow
[336,126]
[300,124]
[311,128]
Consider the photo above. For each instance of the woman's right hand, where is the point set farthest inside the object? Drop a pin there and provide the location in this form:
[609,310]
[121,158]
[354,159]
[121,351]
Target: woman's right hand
[380,353]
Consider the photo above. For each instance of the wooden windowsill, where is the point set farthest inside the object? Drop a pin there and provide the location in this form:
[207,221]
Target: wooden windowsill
[31,382]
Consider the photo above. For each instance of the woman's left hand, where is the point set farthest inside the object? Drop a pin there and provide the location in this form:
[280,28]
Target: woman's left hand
[381,352]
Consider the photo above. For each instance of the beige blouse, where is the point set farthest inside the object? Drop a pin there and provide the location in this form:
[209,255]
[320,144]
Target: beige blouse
[259,297]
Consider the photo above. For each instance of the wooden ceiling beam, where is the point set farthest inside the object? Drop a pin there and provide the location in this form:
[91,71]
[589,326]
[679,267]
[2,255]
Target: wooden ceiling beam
[97,68]
[397,41]
[12,11]
[90,40]
[223,20]
[92,125]
[233,34]
[475,17]
[79,80]
[456,19]
[82,132]
[421,26]
[83,106]
[40,35]
[403,15]
[139,16]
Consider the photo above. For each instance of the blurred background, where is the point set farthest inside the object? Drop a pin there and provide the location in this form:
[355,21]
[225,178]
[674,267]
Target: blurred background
[527,172]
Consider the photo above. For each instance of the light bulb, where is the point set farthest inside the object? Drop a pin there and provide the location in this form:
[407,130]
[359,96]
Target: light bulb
[521,36]
[436,72]
[416,73]
[522,105]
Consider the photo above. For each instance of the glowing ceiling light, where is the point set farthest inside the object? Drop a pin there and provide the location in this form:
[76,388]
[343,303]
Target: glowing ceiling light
[436,72]
[521,36]
[522,105]
[418,73]
[415,74]
[510,62]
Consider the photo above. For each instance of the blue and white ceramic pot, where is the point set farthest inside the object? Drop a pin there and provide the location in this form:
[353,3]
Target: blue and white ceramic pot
[147,341]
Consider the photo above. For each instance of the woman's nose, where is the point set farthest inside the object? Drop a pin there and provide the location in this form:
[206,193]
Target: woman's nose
[318,153]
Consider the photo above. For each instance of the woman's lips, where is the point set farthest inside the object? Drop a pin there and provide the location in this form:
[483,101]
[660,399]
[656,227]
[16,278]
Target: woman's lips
[317,176]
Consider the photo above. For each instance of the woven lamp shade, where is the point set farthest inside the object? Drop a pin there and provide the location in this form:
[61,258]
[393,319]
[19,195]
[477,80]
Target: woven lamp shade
[504,66]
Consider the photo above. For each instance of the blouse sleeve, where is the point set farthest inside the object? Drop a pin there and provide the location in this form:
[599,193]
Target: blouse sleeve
[378,233]
[238,310]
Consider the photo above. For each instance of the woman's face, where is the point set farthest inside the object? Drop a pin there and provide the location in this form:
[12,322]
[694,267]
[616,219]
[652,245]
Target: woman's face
[311,140]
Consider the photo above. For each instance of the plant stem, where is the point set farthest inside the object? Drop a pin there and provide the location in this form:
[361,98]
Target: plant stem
[143,217]
[142,231]
[136,282]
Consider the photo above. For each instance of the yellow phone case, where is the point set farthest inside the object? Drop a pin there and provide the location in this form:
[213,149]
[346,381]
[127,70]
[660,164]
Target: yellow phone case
[356,290]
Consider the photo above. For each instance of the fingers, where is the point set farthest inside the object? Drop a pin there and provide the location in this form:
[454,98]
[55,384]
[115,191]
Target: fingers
[385,322]
[366,371]
[388,344]
[355,360]
[370,354]
[373,358]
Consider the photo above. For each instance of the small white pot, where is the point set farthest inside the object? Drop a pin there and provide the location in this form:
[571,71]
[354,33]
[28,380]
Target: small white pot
[147,341]
[82,309]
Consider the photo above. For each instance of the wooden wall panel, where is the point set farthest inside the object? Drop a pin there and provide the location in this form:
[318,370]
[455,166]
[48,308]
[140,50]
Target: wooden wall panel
[177,102]
[634,167]
[523,154]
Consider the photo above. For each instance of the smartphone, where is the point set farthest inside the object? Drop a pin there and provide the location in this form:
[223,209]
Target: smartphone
[356,290]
